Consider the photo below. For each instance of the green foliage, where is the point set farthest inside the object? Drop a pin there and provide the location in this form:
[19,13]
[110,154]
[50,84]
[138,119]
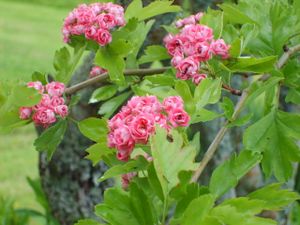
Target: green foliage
[274,135]
[135,165]
[154,53]
[109,107]
[51,138]
[165,151]
[274,198]
[227,175]
[88,222]
[65,64]
[134,206]
[98,152]
[153,9]
[111,58]
[94,129]
[103,93]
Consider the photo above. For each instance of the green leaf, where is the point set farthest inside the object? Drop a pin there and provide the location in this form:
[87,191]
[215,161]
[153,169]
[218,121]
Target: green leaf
[23,96]
[230,215]
[207,92]
[274,197]
[111,58]
[65,64]
[134,165]
[227,175]
[275,136]
[161,79]
[264,87]
[88,222]
[204,115]
[164,152]
[213,19]
[135,207]
[228,107]
[155,8]
[51,138]
[109,107]
[154,53]
[236,48]
[37,76]
[116,208]
[94,129]
[246,205]
[98,152]
[293,96]
[103,93]
[197,210]
[255,65]
[234,15]
[240,121]
[184,91]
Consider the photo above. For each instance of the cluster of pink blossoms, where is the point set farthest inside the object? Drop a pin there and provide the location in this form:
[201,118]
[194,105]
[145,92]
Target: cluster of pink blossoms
[136,122]
[193,45]
[51,105]
[96,71]
[94,21]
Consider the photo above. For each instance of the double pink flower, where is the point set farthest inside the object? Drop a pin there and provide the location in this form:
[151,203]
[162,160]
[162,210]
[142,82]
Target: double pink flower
[193,45]
[94,21]
[51,105]
[135,123]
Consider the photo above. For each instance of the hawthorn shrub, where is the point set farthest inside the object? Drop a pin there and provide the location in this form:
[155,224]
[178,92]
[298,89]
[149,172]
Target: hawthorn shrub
[143,130]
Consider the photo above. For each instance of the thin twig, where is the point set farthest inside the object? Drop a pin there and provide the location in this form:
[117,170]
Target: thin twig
[219,137]
[139,72]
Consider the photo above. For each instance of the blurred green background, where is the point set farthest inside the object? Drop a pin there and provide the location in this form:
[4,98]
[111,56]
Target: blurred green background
[30,32]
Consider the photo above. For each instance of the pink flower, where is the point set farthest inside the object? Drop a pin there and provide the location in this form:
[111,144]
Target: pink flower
[44,103]
[174,45]
[96,71]
[123,141]
[91,32]
[197,78]
[176,60]
[126,178]
[187,68]
[173,102]
[61,110]
[36,85]
[44,117]
[55,88]
[200,33]
[103,37]
[25,113]
[106,21]
[219,47]
[202,51]
[56,101]
[89,19]
[141,128]
[178,117]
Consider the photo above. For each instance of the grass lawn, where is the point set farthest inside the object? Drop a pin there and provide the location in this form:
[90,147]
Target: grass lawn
[29,36]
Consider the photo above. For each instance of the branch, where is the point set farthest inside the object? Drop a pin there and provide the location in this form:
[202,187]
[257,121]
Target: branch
[216,142]
[140,72]
[219,137]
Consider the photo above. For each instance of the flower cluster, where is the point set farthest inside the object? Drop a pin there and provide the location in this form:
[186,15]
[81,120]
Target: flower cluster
[96,71]
[193,45]
[136,122]
[94,21]
[51,105]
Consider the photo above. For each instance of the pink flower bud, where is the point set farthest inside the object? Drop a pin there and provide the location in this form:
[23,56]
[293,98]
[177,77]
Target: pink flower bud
[219,47]
[25,113]
[55,88]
